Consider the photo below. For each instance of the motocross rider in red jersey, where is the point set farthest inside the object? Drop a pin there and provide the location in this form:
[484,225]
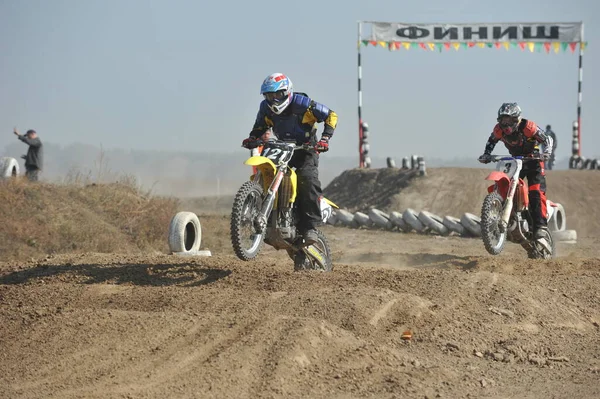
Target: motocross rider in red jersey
[523,137]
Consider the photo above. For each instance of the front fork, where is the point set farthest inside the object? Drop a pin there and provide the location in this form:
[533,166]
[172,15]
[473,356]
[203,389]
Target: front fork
[267,205]
[508,206]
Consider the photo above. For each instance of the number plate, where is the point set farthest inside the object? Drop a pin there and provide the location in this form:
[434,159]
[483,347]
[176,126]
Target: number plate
[508,167]
[278,153]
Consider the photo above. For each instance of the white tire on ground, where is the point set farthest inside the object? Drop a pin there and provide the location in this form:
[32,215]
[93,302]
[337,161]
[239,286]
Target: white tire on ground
[362,220]
[398,221]
[205,253]
[472,224]
[565,235]
[380,219]
[344,217]
[453,224]
[434,222]
[185,233]
[558,221]
[9,167]
[410,217]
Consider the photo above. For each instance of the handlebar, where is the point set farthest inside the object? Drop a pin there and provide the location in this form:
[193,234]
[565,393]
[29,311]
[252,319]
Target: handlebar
[496,158]
[258,143]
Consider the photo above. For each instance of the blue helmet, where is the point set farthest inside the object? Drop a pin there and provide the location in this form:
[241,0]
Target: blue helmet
[278,91]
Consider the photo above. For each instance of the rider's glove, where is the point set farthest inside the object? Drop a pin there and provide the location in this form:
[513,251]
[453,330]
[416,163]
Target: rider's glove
[250,142]
[323,144]
[485,158]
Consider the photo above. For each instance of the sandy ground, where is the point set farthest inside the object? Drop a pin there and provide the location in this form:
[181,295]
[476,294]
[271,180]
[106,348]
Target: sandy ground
[154,326]
[125,326]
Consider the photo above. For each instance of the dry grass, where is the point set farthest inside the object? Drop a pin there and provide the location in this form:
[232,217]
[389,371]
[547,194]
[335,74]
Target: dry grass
[79,216]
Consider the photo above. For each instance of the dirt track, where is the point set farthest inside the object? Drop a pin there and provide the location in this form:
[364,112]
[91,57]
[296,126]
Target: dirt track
[156,326]
[119,326]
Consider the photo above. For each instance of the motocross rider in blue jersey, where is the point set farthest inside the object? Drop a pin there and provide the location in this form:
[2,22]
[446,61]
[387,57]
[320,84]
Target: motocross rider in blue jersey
[291,117]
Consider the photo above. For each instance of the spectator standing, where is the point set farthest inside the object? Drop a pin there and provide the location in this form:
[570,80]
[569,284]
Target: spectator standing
[35,155]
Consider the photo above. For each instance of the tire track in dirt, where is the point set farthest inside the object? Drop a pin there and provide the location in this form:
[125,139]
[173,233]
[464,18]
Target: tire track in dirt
[162,326]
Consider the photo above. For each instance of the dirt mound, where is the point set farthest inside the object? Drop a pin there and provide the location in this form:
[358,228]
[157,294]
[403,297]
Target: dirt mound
[360,189]
[98,325]
[40,219]
[454,191]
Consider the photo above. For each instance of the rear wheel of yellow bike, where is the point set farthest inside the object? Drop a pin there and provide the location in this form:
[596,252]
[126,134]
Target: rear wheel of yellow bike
[246,240]
[318,257]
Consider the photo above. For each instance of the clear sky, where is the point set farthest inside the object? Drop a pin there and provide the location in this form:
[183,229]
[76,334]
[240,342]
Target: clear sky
[185,75]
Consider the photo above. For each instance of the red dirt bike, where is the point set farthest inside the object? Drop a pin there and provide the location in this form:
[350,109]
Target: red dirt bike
[505,211]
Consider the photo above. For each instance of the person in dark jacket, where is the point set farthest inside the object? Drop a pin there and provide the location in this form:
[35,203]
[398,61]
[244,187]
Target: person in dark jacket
[551,133]
[291,116]
[34,157]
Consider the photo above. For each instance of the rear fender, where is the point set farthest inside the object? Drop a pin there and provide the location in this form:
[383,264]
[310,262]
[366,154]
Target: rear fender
[326,208]
[502,182]
[550,208]
[330,203]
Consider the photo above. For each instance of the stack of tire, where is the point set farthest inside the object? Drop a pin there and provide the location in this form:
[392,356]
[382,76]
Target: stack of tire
[582,163]
[424,222]
[9,168]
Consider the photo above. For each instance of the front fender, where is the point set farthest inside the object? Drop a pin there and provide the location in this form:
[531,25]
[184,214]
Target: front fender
[264,164]
[497,176]
[261,162]
[502,182]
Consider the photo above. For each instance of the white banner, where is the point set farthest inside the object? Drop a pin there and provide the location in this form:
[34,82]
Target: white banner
[477,33]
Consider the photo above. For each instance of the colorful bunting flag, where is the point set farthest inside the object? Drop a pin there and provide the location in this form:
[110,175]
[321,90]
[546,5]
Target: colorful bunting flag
[572,46]
[556,46]
[532,46]
[547,47]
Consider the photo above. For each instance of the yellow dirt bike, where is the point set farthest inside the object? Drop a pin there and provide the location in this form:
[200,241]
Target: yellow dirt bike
[265,210]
